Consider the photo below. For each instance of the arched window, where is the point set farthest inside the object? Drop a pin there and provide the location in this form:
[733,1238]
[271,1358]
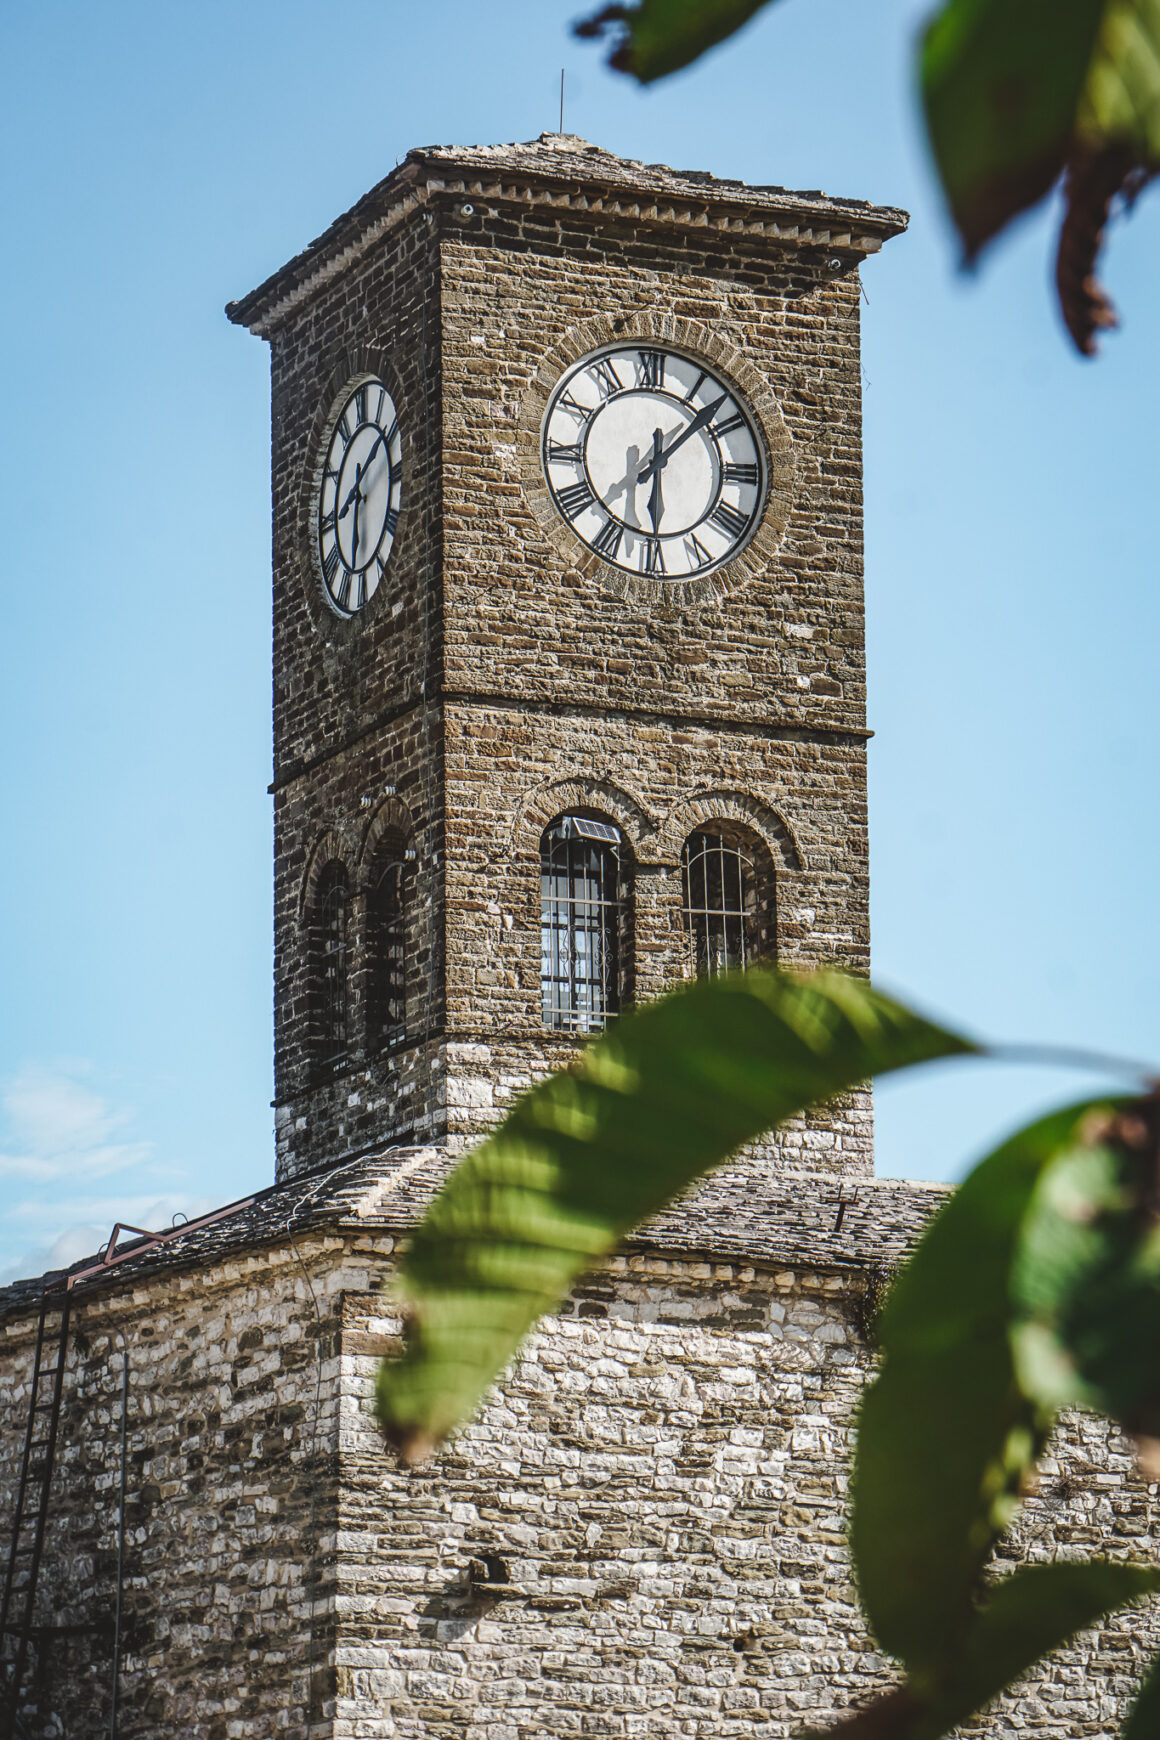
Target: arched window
[582,910]
[330,969]
[387,923]
[727,889]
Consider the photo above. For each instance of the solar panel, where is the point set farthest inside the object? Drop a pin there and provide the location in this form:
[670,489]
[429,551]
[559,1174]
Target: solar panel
[590,830]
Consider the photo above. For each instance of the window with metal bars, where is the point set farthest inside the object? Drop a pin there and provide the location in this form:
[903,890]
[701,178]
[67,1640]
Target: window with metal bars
[331,969]
[387,917]
[582,914]
[727,888]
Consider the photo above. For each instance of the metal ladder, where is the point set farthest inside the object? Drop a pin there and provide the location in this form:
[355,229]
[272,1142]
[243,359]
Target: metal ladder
[32,1494]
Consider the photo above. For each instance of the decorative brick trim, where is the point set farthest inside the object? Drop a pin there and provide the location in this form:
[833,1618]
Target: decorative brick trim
[579,792]
[702,343]
[330,849]
[391,815]
[729,805]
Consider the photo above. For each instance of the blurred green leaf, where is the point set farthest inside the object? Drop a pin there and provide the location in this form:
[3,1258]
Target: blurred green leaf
[1029,1613]
[1001,84]
[946,1435]
[667,1093]
[1033,1611]
[1143,1721]
[1087,1281]
[1120,102]
[656,37]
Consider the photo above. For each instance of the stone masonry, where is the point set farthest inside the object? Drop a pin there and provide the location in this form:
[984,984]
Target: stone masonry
[642,1533]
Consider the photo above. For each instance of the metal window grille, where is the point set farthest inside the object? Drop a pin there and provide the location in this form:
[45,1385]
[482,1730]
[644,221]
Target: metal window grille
[580,919]
[389,931]
[332,972]
[719,902]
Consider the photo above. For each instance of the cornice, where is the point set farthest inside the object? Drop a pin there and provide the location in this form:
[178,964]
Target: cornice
[567,175]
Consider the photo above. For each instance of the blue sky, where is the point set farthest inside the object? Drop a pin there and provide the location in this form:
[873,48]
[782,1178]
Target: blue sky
[159,160]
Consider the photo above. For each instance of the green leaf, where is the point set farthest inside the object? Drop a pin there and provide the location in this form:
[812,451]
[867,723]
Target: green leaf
[657,37]
[1120,102]
[1033,1611]
[946,1434]
[667,1093]
[1001,84]
[1087,1283]
[1030,1613]
[1144,1717]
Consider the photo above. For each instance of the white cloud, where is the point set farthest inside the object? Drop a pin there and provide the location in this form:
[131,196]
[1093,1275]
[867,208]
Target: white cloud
[69,1170]
[58,1128]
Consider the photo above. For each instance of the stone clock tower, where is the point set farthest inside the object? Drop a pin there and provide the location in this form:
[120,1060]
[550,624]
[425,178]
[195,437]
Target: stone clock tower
[568,623]
[568,678]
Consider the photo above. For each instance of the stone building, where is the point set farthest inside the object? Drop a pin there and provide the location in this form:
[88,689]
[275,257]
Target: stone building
[569,702]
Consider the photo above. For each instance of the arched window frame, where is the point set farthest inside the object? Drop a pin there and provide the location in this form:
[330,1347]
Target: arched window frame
[728,899]
[585,922]
[331,969]
[389,928]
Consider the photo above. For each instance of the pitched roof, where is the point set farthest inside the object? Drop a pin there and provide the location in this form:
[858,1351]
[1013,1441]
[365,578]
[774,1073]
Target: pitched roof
[795,1220]
[565,169]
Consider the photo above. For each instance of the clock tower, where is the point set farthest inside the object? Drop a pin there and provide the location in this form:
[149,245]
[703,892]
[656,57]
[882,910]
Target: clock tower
[568,625]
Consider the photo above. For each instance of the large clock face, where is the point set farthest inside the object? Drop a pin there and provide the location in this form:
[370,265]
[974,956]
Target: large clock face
[654,461]
[359,496]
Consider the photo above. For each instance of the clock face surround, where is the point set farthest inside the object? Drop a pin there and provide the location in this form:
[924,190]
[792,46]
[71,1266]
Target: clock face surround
[359,496]
[654,460]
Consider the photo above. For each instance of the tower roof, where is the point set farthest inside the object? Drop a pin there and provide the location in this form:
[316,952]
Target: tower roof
[563,170]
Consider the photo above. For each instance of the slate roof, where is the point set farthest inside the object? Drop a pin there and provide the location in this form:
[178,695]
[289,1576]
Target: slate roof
[568,163]
[796,1221]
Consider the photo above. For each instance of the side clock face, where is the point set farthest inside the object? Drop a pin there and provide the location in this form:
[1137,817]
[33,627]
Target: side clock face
[654,461]
[359,497]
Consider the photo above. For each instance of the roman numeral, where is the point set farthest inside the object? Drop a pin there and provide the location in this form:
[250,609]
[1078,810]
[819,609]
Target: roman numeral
[695,388]
[330,565]
[729,519]
[575,499]
[360,405]
[582,411]
[389,437]
[379,406]
[653,560]
[607,380]
[343,430]
[361,595]
[342,596]
[565,454]
[728,426]
[609,540]
[327,522]
[652,368]
[698,555]
[741,474]
[392,520]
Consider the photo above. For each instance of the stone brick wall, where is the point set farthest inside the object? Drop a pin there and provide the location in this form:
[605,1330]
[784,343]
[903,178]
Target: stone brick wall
[231,1500]
[643,1532]
[494,681]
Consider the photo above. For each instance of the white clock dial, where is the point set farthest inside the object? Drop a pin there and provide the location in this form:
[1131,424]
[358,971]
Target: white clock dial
[359,496]
[654,461]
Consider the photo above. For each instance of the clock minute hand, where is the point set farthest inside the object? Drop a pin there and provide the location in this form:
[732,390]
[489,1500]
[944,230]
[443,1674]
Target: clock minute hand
[706,415]
[656,506]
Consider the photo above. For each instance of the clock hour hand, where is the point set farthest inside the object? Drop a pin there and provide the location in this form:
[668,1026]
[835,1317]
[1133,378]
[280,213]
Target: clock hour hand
[355,493]
[659,460]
